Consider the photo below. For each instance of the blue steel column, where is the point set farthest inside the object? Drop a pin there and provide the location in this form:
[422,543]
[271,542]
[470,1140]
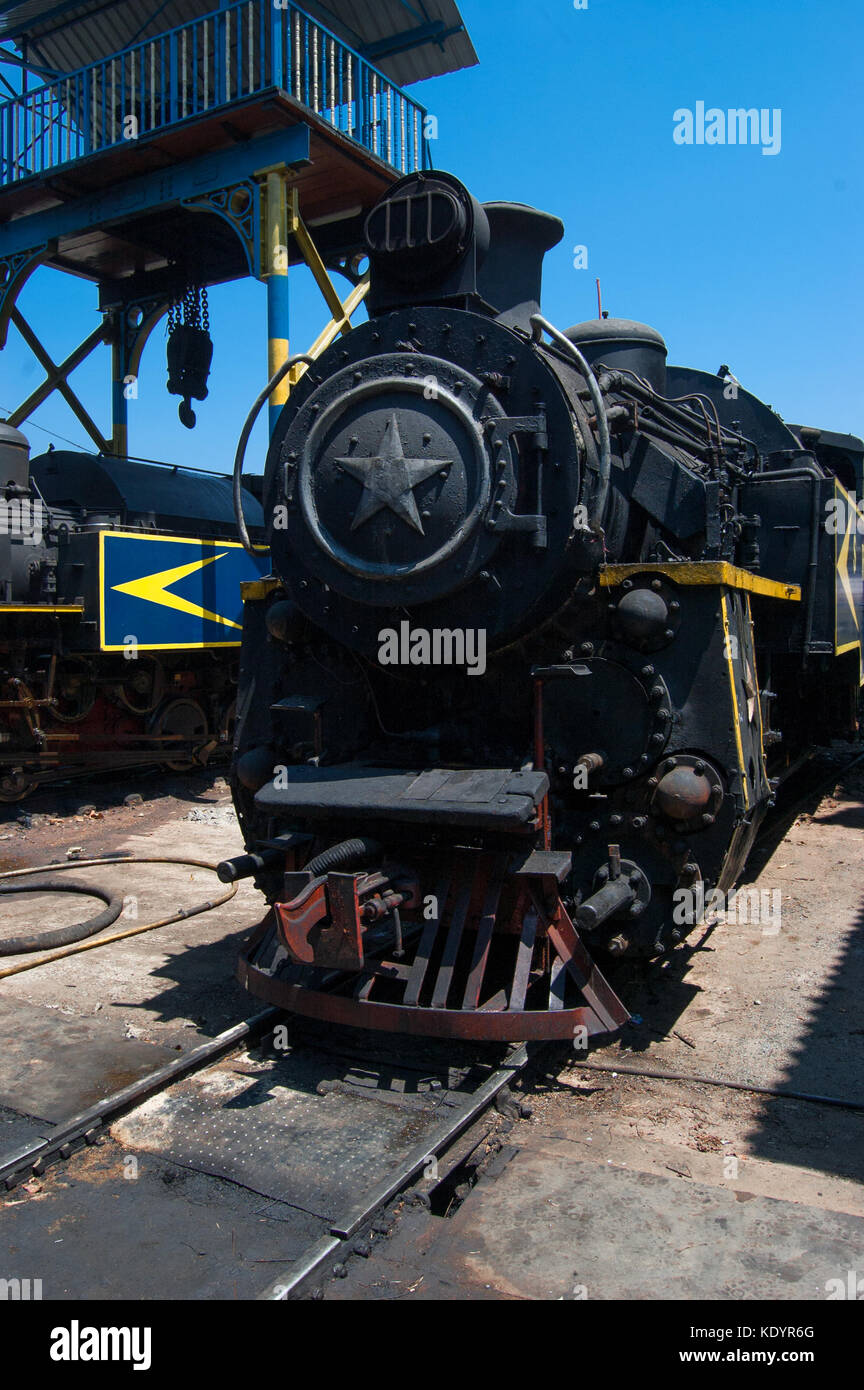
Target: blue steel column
[119,402]
[276,274]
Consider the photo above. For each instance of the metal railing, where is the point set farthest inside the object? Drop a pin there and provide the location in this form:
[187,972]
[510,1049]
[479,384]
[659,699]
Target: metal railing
[218,60]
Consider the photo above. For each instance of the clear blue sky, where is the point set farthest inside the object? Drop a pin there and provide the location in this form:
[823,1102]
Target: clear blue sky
[735,256]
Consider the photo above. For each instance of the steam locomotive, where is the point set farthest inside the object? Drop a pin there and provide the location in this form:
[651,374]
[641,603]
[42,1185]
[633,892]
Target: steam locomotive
[119,599]
[547,620]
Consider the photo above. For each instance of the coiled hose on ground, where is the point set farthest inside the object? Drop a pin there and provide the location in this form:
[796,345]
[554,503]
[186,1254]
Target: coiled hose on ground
[60,936]
[88,945]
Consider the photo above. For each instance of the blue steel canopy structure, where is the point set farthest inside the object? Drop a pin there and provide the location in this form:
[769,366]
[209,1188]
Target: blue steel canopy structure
[188,142]
[408,40]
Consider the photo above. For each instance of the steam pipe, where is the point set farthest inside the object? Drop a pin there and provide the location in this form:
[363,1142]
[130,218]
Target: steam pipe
[244,440]
[541,325]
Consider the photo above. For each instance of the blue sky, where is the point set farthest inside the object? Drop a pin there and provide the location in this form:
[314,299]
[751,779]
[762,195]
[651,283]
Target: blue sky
[737,257]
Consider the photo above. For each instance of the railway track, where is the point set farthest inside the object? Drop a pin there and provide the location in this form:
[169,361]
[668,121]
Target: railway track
[319,1158]
[422,1113]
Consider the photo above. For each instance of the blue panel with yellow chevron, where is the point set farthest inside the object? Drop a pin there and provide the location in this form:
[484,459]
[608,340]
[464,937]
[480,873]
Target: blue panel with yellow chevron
[166,592]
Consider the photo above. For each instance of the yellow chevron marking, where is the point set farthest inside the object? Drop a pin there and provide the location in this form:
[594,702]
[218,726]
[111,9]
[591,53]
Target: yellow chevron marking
[843,571]
[153,588]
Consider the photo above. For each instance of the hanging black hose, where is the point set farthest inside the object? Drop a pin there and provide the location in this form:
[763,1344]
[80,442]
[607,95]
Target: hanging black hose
[341,855]
[60,936]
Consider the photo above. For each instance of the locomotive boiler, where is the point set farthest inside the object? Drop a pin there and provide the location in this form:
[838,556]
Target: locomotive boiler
[547,619]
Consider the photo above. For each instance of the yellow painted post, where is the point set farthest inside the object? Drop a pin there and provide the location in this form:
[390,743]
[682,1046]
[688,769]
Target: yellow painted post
[276,275]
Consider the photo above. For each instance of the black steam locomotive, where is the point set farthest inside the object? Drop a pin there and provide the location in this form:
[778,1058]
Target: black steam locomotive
[119,590]
[546,620]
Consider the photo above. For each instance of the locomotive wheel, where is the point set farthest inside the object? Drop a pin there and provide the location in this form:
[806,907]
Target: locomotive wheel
[144,688]
[74,691]
[14,786]
[186,719]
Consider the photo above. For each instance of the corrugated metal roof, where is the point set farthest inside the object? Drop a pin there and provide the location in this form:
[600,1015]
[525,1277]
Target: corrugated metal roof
[409,39]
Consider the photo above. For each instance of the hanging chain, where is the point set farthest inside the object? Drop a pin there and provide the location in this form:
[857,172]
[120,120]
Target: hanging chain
[191,309]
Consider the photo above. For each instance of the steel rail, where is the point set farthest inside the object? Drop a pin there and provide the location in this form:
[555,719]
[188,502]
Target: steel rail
[88,1124]
[352,1221]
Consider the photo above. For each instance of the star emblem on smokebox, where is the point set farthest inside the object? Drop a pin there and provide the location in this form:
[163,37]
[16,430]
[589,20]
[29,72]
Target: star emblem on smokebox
[389,479]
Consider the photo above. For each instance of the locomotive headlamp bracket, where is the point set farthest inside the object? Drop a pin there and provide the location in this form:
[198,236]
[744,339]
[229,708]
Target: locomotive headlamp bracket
[502,518]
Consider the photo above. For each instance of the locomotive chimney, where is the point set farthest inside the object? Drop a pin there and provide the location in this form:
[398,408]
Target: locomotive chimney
[510,276]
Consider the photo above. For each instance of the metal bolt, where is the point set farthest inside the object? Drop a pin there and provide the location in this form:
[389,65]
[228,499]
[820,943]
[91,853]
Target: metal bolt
[587,649]
[615,820]
[674,606]
[626,772]
[669,765]
[699,767]
[594,826]
[657,692]
[639,823]
[669,633]
[707,819]
[647,671]
[656,584]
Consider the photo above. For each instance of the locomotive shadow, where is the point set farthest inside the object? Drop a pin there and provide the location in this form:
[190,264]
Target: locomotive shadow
[828,1060]
[199,984]
[828,1057]
[825,1056]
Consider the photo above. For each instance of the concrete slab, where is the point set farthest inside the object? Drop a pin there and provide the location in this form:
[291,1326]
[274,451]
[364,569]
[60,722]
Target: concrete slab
[54,1064]
[115,1225]
[553,1226]
[17,1130]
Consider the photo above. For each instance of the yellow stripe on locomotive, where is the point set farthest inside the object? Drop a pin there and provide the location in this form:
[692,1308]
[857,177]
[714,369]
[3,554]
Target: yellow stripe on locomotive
[848,525]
